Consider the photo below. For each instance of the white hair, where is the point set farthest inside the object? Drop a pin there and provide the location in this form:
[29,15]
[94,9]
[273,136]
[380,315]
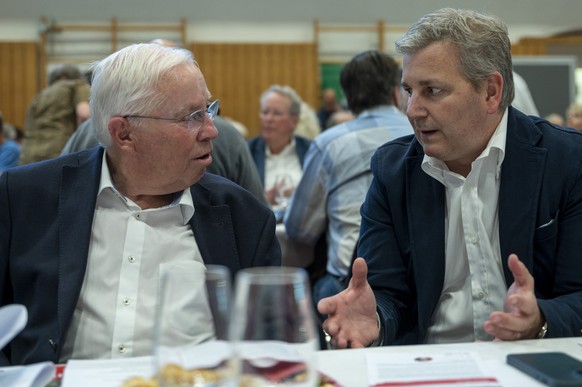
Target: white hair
[127,82]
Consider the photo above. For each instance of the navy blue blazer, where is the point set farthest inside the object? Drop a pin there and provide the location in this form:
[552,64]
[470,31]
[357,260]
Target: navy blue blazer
[257,147]
[46,214]
[540,219]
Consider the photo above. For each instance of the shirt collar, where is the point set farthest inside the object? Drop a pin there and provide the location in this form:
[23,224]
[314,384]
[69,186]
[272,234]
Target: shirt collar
[183,199]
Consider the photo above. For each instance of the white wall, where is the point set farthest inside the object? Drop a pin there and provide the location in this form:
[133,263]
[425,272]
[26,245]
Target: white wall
[27,30]
[18,30]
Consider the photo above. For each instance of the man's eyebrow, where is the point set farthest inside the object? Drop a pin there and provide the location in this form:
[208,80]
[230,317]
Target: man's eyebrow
[426,82]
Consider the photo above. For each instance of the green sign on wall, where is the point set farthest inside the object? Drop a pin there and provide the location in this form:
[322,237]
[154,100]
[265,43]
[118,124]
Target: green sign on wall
[330,77]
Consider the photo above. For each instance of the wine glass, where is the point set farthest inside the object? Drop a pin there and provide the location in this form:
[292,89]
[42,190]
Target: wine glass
[284,188]
[273,328]
[192,347]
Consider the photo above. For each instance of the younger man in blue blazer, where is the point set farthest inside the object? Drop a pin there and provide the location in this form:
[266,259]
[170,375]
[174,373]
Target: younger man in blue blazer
[471,228]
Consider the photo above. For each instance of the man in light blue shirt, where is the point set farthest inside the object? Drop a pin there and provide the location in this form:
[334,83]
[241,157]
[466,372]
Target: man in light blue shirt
[337,173]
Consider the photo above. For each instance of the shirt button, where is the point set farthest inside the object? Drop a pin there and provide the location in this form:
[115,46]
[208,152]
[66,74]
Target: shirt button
[137,216]
[121,348]
[474,240]
[131,258]
[126,301]
[481,295]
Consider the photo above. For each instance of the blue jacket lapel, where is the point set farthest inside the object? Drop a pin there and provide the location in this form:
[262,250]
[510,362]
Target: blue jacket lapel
[427,234]
[78,195]
[521,176]
[213,230]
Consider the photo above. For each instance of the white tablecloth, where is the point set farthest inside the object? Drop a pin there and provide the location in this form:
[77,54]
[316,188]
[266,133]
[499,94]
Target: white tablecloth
[348,366]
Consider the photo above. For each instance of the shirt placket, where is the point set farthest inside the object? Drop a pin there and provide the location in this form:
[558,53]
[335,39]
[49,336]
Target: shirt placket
[126,302]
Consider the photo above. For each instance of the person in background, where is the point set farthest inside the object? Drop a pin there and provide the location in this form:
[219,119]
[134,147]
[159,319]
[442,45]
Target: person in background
[107,219]
[555,119]
[278,151]
[523,100]
[574,116]
[239,126]
[471,226]
[231,156]
[308,125]
[337,174]
[55,113]
[329,105]
[9,147]
[339,117]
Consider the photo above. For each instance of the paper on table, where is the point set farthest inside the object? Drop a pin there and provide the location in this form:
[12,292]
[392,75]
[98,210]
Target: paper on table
[106,373]
[201,355]
[456,369]
[510,376]
[268,353]
[12,320]
[32,375]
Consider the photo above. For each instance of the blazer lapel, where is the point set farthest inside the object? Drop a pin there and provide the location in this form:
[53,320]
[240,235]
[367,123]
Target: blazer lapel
[76,209]
[521,179]
[426,206]
[213,231]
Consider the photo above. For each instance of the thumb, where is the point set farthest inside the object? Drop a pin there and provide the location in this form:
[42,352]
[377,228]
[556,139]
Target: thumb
[521,275]
[359,274]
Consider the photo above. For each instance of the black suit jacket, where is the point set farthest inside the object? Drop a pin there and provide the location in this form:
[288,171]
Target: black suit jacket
[46,215]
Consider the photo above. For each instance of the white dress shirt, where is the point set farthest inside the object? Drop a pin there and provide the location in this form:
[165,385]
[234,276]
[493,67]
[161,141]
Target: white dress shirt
[115,314]
[474,284]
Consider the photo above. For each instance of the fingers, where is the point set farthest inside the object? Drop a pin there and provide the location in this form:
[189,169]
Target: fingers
[501,334]
[523,322]
[504,326]
[327,305]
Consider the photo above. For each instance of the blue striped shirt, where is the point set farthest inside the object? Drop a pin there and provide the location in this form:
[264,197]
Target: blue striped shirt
[336,178]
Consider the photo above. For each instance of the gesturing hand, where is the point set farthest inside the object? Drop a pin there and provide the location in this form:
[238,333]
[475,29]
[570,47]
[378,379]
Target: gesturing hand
[352,321]
[521,317]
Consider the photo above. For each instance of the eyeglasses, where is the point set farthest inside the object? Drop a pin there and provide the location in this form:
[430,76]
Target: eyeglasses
[195,120]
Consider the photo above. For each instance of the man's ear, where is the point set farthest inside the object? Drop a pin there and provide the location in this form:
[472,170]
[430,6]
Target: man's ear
[494,87]
[119,131]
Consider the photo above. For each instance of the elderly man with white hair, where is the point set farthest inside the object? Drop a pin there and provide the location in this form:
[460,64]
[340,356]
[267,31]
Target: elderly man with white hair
[83,236]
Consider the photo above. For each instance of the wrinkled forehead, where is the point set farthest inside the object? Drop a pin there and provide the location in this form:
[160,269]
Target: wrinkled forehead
[185,89]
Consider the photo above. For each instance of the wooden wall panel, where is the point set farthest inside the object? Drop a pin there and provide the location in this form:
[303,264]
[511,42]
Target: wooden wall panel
[237,74]
[18,79]
[530,46]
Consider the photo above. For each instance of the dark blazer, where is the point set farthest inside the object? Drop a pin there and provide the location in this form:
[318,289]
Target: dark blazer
[46,213]
[540,219]
[257,147]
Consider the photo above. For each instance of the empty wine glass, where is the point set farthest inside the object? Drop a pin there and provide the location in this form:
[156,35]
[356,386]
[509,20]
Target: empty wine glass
[192,347]
[273,328]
